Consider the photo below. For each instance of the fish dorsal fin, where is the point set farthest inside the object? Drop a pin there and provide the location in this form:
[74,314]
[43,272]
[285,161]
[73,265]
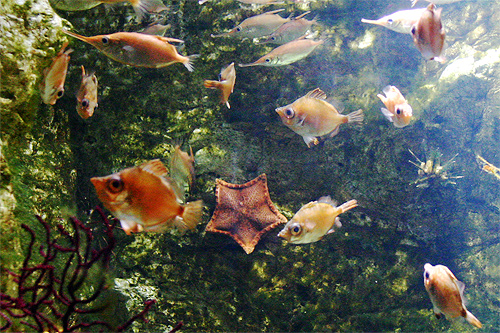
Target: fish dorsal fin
[155,167]
[328,200]
[309,205]
[273,11]
[168,39]
[317,93]
[301,16]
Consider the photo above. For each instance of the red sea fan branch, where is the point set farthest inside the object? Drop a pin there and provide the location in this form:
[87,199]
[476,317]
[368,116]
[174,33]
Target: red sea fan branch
[49,298]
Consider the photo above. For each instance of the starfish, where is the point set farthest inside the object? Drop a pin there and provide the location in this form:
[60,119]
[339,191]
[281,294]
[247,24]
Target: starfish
[244,211]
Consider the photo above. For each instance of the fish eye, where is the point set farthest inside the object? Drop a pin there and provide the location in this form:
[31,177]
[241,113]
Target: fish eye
[390,21]
[413,30]
[289,113]
[268,59]
[115,185]
[296,230]
[85,102]
[60,93]
[105,40]
[238,29]
[273,38]
[426,274]
[398,111]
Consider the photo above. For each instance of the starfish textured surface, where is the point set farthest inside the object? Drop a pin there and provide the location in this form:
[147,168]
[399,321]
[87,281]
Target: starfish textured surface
[244,211]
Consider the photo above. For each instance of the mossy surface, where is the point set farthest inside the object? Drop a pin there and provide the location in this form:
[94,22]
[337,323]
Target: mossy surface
[365,277]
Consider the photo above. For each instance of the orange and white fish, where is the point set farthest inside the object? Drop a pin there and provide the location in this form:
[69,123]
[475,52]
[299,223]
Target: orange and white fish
[287,53]
[436,2]
[428,34]
[87,95]
[141,7]
[401,21]
[289,31]
[52,85]
[313,118]
[398,111]
[446,294]
[315,220]
[257,26]
[139,50]
[227,79]
[145,200]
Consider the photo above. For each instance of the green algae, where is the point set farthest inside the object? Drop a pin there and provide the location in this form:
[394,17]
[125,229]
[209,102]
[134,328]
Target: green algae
[366,276]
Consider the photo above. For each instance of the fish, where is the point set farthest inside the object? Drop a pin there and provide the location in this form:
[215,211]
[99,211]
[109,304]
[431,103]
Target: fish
[446,294]
[398,111]
[287,54]
[257,26]
[157,29]
[225,84]
[289,31]
[141,7]
[315,220]
[401,21]
[313,118]
[144,199]
[52,85]
[436,2]
[87,95]
[139,50]
[428,34]
[182,169]
[488,167]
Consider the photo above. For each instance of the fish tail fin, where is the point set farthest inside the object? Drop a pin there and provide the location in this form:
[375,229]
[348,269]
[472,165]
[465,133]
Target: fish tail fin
[355,117]
[142,7]
[413,2]
[212,84]
[348,205]
[192,214]
[471,319]
[189,62]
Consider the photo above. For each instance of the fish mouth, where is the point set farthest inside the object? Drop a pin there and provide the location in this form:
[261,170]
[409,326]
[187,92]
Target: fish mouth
[284,234]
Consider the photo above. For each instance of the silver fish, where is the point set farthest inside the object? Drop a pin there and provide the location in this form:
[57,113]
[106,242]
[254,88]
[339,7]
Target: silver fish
[287,53]
[257,26]
[401,21]
[289,31]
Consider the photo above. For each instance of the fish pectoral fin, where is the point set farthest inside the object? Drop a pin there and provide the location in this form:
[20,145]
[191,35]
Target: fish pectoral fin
[387,114]
[334,132]
[310,141]
[301,121]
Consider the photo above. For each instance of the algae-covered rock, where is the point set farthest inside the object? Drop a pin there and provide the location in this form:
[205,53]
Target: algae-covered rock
[367,276]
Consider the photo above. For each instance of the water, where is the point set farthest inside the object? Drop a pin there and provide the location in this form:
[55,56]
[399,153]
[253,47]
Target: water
[365,277]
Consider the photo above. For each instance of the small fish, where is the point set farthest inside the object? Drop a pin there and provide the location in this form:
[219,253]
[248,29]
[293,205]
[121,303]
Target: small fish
[156,29]
[488,167]
[287,54]
[139,50]
[52,85]
[401,21]
[260,2]
[289,31]
[141,7]
[227,78]
[436,2]
[313,118]
[145,200]
[257,26]
[315,220]
[398,110]
[446,294]
[182,169]
[428,34]
[87,95]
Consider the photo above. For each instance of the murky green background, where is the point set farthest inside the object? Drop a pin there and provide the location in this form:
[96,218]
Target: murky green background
[367,276]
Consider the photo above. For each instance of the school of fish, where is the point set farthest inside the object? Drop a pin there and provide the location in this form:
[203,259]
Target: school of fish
[150,198]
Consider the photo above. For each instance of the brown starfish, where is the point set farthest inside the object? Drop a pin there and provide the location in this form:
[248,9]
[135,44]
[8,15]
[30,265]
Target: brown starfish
[244,212]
